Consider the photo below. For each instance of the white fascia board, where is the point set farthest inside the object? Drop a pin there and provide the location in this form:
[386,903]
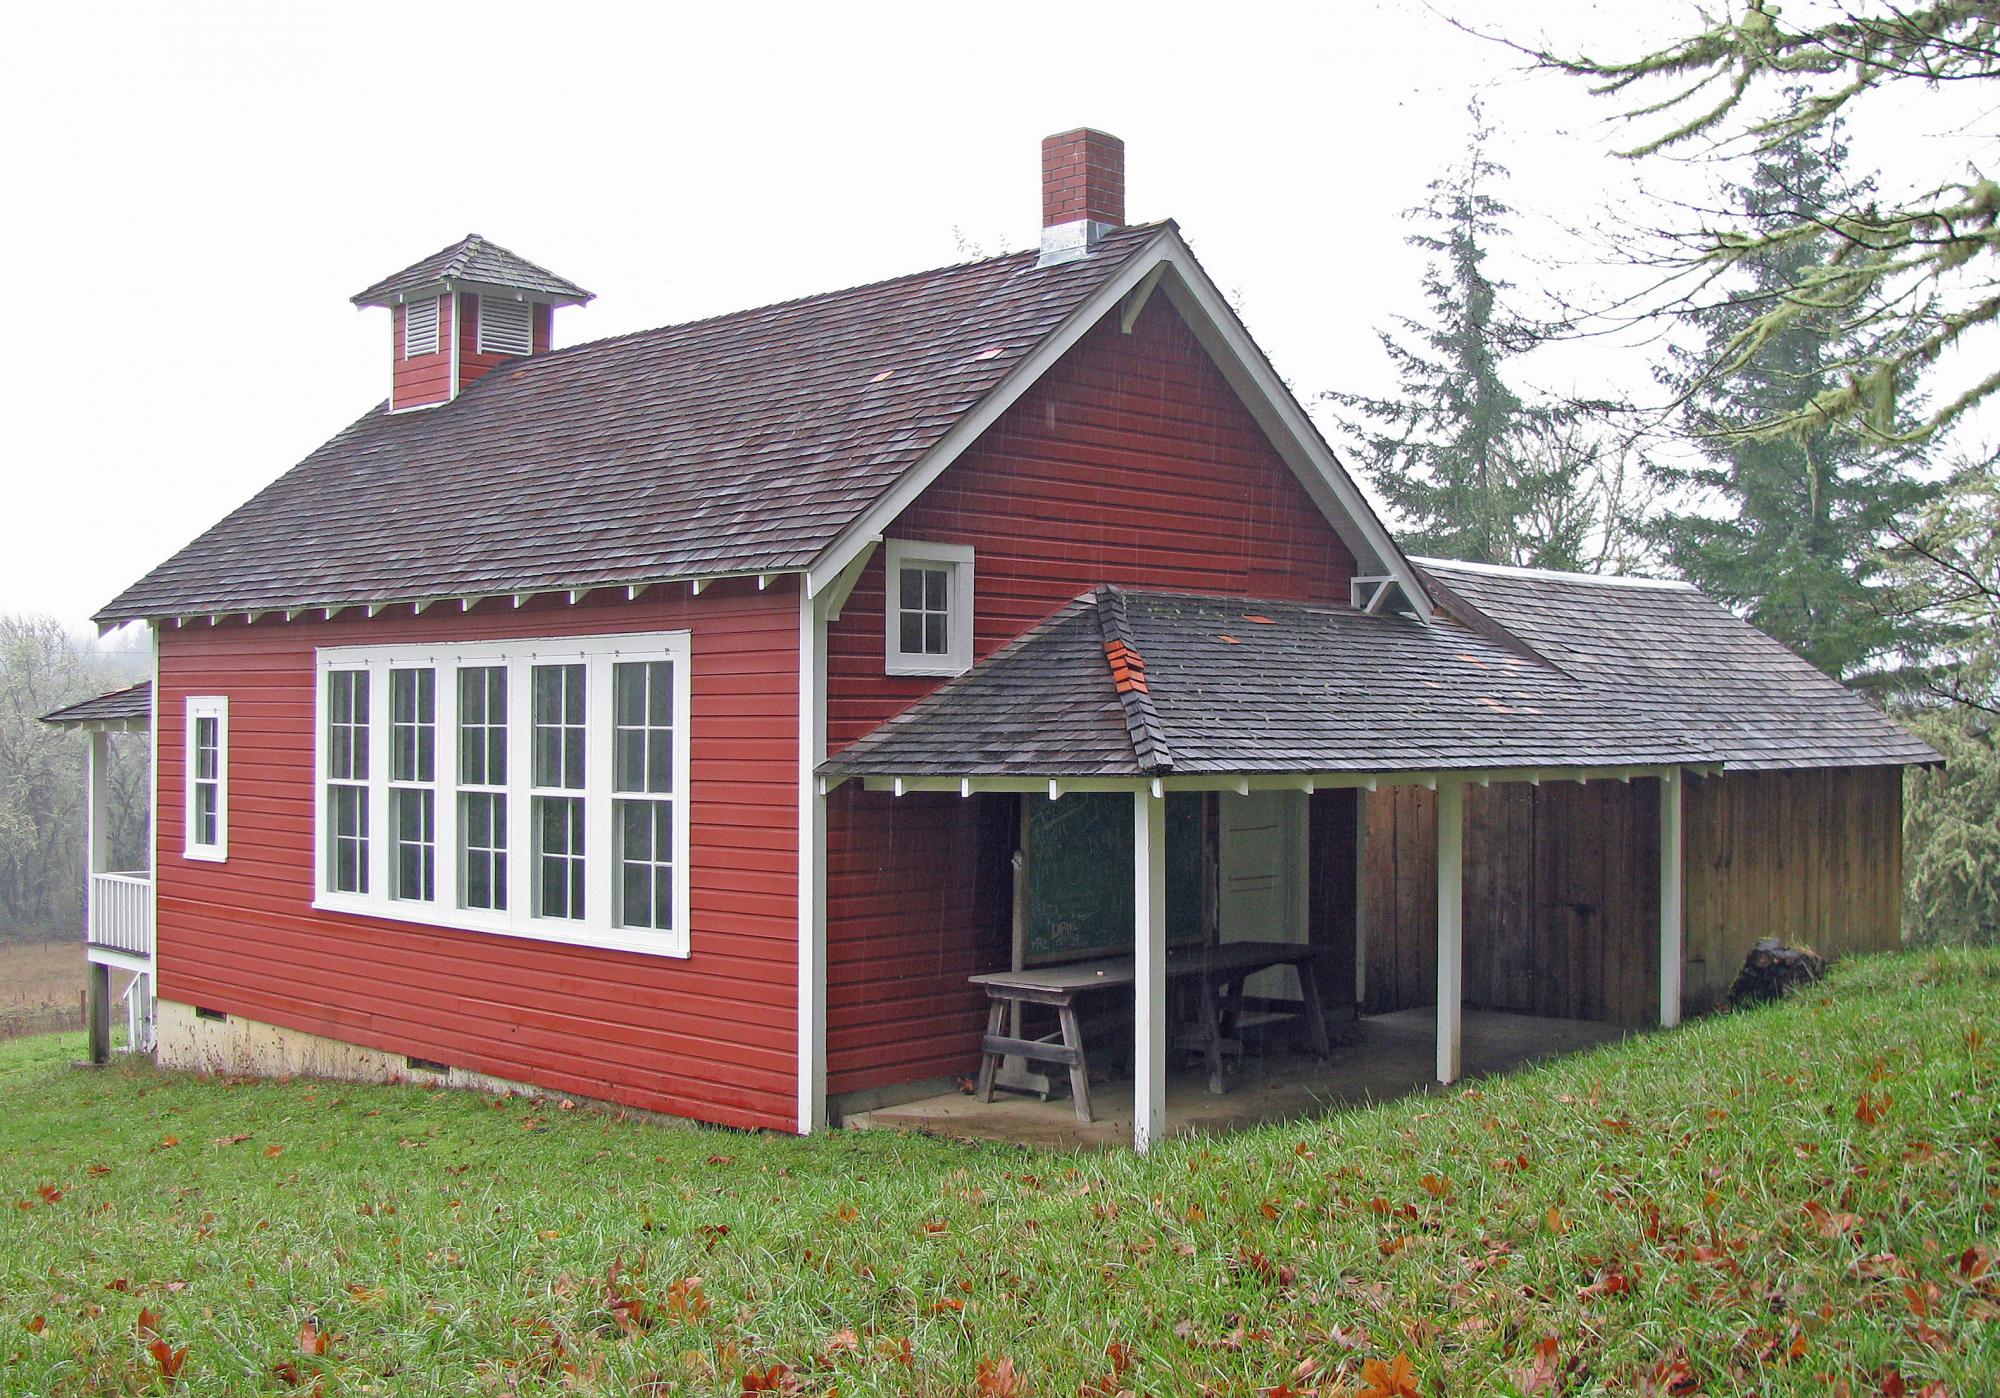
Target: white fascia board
[1243,782]
[1171,266]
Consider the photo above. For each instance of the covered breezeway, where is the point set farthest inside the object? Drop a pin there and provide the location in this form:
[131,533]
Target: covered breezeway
[1150,1046]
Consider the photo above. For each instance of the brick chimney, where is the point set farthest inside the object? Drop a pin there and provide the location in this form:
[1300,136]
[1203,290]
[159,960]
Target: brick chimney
[1083,192]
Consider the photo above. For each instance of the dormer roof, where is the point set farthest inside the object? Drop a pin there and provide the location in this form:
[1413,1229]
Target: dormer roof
[473,262]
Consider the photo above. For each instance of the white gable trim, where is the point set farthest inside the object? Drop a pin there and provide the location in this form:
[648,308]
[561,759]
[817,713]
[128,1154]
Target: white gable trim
[1167,260]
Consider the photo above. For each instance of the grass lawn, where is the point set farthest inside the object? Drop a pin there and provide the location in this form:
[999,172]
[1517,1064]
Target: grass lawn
[1801,1199]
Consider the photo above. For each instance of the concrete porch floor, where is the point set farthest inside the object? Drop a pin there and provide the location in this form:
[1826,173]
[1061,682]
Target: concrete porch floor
[1392,1056]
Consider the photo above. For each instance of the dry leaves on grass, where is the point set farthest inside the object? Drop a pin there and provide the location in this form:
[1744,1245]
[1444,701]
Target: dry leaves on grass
[1392,1378]
[1000,1379]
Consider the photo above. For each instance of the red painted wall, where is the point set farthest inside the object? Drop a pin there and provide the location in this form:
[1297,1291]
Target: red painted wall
[1132,462]
[423,378]
[713,1036]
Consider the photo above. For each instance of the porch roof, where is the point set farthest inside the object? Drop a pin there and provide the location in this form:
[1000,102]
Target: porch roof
[1141,684]
[127,708]
[1671,650]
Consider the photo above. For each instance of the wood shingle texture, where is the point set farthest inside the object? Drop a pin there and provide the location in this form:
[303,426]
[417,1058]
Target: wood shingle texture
[1687,659]
[131,704]
[1236,686]
[473,259]
[741,444]
[1537,671]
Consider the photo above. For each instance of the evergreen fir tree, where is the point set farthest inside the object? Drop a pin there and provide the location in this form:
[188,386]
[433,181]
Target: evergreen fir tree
[1472,470]
[1797,546]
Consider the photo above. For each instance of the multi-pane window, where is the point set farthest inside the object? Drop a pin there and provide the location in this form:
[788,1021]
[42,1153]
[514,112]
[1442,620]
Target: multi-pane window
[529,787]
[928,608]
[347,728]
[558,816]
[412,784]
[642,782]
[482,787]
[925,609]
[207,777]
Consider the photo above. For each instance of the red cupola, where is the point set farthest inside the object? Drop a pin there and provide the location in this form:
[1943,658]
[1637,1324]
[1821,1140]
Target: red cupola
[460,312]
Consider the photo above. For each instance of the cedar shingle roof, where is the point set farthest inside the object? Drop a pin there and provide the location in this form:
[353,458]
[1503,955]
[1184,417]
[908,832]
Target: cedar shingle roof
[120,707]
[1237,686]
[1681,656]
[740,444]
[473,259]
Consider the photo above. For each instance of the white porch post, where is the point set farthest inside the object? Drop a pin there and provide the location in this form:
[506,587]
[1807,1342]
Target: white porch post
[1451,925]
[1670,898]
[1149,993]
[96,822]
[96,841]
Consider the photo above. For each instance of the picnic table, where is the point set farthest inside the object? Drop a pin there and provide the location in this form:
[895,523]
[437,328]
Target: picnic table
[1220,970]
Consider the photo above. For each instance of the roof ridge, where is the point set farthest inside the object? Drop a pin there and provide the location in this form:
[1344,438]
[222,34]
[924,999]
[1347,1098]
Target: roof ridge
[813,296]
[1509,570]
[1150,747]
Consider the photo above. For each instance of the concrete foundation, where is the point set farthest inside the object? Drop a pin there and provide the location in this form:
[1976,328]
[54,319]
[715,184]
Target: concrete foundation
[1392,1055]
[196,1043]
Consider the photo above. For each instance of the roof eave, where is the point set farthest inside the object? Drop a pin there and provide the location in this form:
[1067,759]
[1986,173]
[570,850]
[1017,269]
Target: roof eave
[390,296]
[699,579]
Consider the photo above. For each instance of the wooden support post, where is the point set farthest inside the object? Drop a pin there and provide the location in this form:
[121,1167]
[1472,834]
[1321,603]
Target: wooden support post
[1149,986]
[1360,899]
[1670,899]
[100,1013]
[1451,925]
[96,823]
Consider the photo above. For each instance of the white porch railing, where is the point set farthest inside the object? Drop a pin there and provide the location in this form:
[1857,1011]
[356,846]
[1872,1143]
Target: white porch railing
[121,913]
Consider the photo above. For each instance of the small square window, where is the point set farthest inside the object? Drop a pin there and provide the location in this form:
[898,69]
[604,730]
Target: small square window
[929,611]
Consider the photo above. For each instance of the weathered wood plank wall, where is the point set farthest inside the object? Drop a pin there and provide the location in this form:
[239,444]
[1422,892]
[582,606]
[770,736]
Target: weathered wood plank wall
[1813,856]
[1562,886]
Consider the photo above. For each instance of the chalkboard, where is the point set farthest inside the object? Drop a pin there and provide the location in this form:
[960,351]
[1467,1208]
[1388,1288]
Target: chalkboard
[1080,874]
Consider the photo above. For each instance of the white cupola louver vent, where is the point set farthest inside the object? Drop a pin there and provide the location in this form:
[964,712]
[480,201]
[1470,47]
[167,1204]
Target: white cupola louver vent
[420,328]
[505,327]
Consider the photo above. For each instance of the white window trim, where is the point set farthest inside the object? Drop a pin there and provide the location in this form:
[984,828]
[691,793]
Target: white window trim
[518,656]
[411,348]
[215,706]
[957,658]
[485,348]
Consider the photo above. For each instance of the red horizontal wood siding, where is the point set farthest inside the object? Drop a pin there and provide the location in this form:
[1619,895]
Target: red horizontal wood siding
[712,1036]
[423,378]
[1132,462]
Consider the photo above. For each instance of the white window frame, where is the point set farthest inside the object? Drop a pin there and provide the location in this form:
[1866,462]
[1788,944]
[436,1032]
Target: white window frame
[411,347]
[527,346]
[415,785]
[216,707]
[598,655]
[956,559]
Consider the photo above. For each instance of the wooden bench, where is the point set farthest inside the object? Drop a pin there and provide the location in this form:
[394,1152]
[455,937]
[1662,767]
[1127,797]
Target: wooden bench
[1221,970]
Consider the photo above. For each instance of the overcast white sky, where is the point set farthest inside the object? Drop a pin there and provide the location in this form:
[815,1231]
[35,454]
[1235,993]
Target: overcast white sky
[194,192]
